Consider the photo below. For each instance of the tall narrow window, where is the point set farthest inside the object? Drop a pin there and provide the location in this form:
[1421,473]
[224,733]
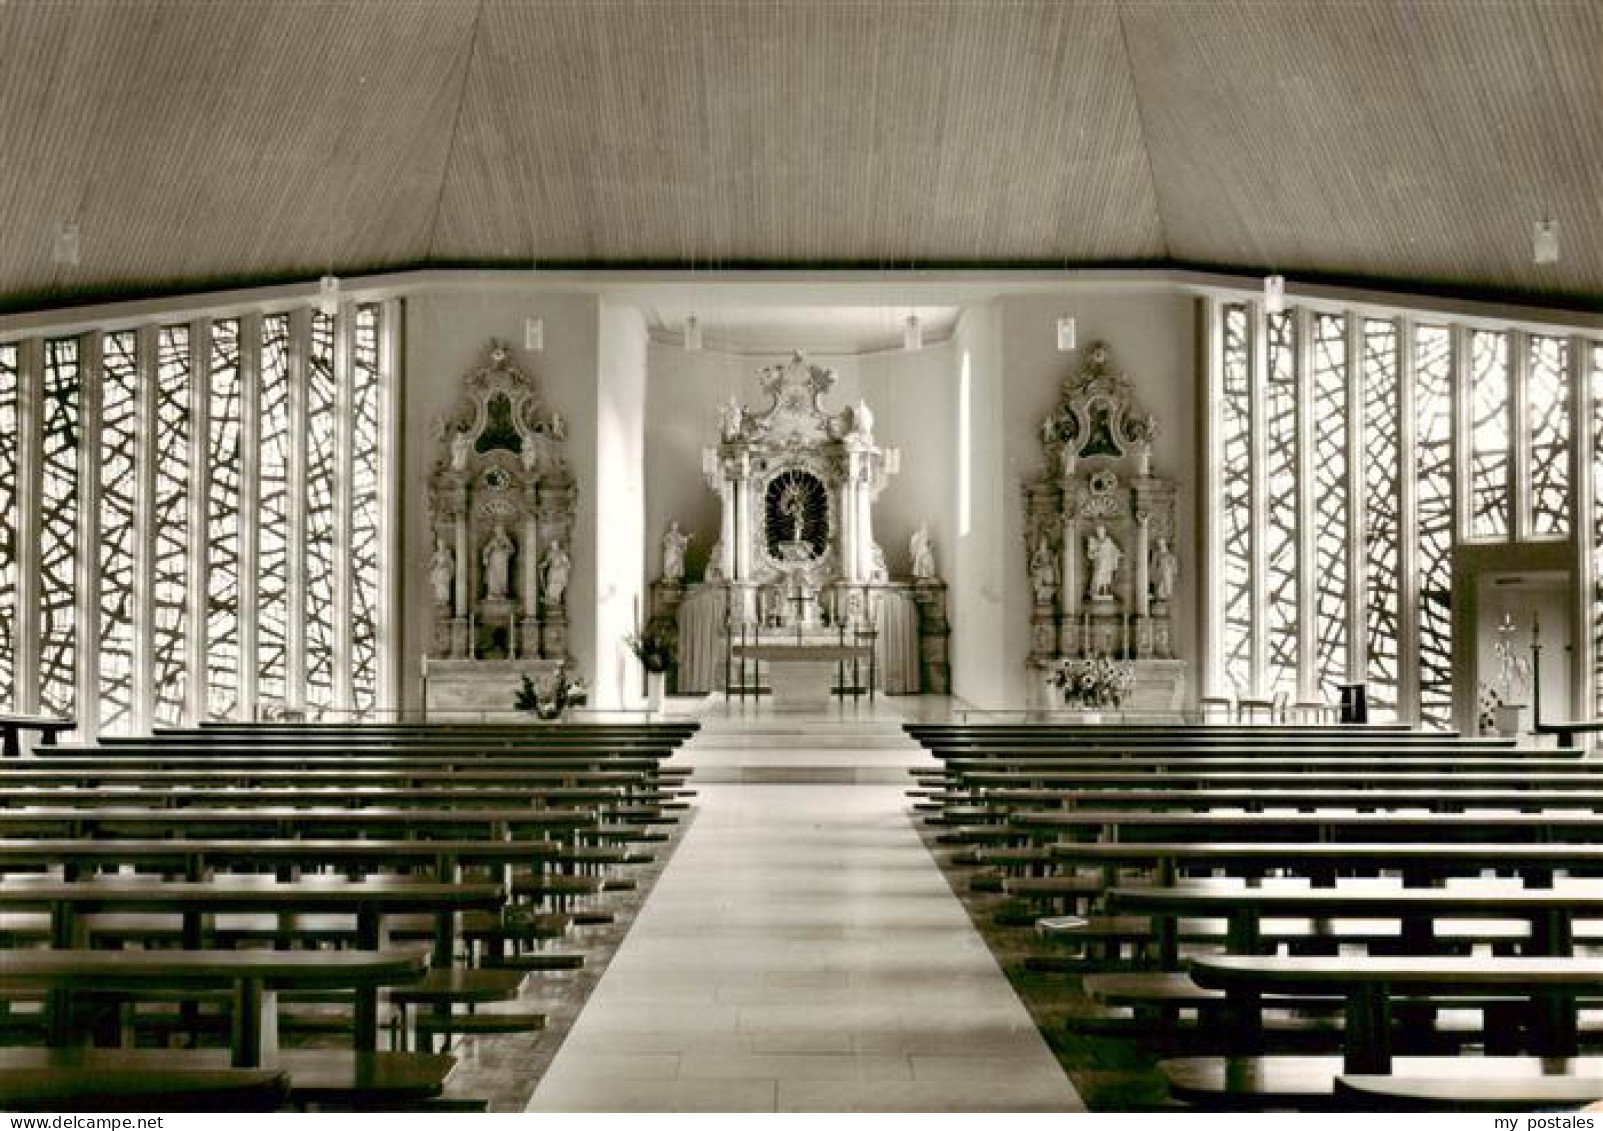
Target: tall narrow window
[321,431]
[1332,538]
[1235,470]
[367,542]
[222,522]
[272,596]
[1433,401]
[1383,526]
[1597,526]
[1489,397]
[58,528]
[965,448]
[1281,610]
[1548,397]
[119,478]
[170,677]
[10,467]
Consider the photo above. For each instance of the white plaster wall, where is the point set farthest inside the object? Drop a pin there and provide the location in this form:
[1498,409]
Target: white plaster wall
[447,335]
[620,503]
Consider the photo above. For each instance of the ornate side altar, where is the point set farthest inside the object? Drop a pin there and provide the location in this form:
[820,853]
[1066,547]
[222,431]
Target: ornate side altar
[1099,535]
[795,563]
[501,507]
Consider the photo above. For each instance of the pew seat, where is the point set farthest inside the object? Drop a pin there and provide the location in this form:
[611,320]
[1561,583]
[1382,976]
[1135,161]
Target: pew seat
[1496,1091]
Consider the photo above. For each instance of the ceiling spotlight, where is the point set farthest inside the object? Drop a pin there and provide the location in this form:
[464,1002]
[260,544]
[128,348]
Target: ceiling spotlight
[1545,243]
[1274,294]
[1065,335]
[912,333]
[328,295]
[692,333]
[65,252]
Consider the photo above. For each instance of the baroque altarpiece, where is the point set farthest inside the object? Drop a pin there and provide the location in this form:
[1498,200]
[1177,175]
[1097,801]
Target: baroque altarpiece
[1099,535]
[501,510]
[795,557]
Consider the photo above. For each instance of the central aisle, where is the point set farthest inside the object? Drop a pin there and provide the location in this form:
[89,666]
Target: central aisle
[801,951]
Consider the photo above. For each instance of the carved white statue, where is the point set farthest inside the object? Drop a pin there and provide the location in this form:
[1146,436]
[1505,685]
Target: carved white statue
[1043,574]
[461,446]
[497,563]
[923,553]
[673,553]
[863,420]
[1104,556]
[733,419]
[1165,570]
[559,427]
[878,570]
[530,455]
[442,567]
[557,567]
[715,562]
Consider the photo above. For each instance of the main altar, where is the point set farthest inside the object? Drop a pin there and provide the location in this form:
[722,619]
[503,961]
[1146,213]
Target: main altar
[795,564]
[501,510]
[1099,535]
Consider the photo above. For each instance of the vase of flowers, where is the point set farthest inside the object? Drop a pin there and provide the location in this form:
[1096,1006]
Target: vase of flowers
[553,696]
[1093,684]
[654,649]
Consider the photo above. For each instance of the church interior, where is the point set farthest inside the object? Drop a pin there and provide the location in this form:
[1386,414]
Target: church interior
[702,556]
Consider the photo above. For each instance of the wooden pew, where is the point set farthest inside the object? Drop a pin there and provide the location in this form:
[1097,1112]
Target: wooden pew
[13,726]
[107,1080]
[253,978]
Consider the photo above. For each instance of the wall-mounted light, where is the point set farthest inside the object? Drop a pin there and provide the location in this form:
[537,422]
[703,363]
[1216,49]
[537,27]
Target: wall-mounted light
[912,333]
[1065,335]
[692,333]
[1545,241]
[1274,294]
[534,334]
[65,251]
[328,295]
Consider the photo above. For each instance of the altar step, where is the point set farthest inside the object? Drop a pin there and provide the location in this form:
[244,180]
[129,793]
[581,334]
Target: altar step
[760,748]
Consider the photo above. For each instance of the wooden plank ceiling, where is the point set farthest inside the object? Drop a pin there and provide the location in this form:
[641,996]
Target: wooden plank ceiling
[1402,142]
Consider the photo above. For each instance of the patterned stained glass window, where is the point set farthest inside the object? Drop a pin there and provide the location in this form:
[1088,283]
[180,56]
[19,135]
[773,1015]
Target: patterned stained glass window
[1235,469]
[272,565]
[1383,525]
[10,466]
[1548,401]
[1281,531]
[1489,397]
[1331,536]
[322,426]
[1433,406]
[58,528]
[170,521]
[119,494]
[222,523]
[366,516]
[1597,525]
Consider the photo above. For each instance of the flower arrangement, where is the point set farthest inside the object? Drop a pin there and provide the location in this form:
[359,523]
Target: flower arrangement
[652,647]
[560,693]
[1093,683]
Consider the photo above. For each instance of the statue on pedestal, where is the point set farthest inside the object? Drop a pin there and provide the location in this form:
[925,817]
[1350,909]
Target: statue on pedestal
[557,568]
[1165,570]
[673,553]
[1043,574]
[461,447]
[1104,556]
[923,552]
[442,567]
[497,563]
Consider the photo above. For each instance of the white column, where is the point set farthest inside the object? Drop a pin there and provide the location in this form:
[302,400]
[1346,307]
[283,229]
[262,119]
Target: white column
[848,531]
[726,529]
[197,567]
[531,569]
[464,566]
[1070,594]
[865,526]
[1143,605]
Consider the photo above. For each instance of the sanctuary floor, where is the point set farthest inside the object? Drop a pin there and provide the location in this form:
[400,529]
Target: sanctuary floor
[801,951]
